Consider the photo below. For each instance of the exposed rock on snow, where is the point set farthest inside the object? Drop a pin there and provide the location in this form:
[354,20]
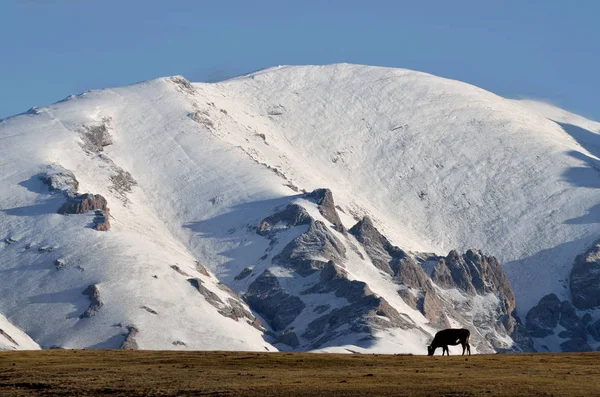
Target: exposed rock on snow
[60,179]
[324,200]
[83,203]
[292,215]
[310,251]
[475,273]
[363,315]
[130,342]
[266,296]
[122,182]
[96,137]
[93,293]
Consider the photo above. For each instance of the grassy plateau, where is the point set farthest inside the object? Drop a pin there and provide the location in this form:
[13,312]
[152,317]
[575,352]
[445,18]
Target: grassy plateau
[136,373]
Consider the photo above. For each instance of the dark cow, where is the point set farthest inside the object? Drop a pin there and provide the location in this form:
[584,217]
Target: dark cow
[452,337]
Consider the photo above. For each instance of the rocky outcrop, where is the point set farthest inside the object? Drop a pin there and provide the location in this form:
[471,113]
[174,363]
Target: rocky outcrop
[292,215]
[288,337]
[417,290]
[96,136]
[130,343]
[585,279]
[210,296]
[83,203]
[543,319]
[365,312]
[326,205]
[306,252]
[232,309]
[378,248]
[101,220]
[475,273]
[594,330]
[93,293]
[60,180]
[266,296]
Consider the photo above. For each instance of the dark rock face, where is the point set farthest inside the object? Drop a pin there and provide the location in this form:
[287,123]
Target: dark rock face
[475,273]
[575,345]
[594,330]
[93,293]
[292,215]
[362,315]
[317,241]
[378,248]
[83,203]
[550,312]
[544,317]
[288,337]
[266,296]
[243,274]
[585,279]
[324,199]
[130,343]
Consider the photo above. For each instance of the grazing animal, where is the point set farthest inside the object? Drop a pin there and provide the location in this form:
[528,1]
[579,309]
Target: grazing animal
[451,336]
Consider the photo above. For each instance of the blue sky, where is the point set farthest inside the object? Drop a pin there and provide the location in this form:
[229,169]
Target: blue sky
[530,48]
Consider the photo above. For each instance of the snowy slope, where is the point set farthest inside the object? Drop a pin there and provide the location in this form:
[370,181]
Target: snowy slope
[438,165]
[12,338]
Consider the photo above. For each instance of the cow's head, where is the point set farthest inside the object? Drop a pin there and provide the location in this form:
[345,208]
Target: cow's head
[430,350]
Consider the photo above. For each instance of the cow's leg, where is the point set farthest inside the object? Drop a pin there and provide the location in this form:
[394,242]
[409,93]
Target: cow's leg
[469,348]
[464,346]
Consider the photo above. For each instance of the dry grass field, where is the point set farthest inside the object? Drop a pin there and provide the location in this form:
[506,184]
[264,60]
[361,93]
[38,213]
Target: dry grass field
[136,373]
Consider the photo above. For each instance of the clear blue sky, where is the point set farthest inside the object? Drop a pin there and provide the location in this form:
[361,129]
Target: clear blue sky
[546,49]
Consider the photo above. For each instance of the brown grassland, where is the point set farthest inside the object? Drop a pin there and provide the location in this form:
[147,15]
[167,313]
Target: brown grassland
[135,373]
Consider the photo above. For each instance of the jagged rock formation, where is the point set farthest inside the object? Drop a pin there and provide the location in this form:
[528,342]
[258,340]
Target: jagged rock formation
[324,200]
[571,325]
[317,260]
[317,242]
[585,279]
[361,316]
[93,293]
[543,319]
[266,296]
[417,291]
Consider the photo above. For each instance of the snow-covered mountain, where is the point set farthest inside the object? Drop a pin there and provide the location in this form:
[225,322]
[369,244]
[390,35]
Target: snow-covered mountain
[335,208]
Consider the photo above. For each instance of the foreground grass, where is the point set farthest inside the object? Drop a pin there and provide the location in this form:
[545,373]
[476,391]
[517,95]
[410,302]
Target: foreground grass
[131,373]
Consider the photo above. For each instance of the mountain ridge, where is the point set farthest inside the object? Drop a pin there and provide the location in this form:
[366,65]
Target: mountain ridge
[189,170]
